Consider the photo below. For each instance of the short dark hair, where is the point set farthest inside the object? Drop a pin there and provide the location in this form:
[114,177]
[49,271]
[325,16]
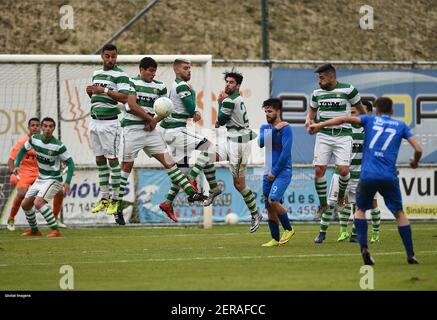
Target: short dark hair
[236,75]
[32,119]
[368,104]
[48,119]
[275,103]
[384,105]
[180,61]
[327,67]
[148,62]
[109,47]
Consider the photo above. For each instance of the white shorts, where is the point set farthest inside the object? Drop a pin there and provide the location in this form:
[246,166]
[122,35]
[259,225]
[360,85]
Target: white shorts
[351,190]
[105,137]
[136,139]
[326,146]
[183,142]
[238,155]
[46,189]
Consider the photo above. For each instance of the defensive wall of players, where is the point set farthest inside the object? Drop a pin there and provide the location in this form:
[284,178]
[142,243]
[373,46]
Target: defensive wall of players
[26,86]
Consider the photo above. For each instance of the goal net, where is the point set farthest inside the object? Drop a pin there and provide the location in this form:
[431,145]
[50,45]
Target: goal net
[54,85]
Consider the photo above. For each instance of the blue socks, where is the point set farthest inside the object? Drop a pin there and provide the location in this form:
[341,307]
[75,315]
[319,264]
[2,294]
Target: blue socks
[274,229]
[405,232]
[284,221]
[361,227]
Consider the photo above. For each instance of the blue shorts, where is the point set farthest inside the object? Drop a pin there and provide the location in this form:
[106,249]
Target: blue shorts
[388,189]
[275,190]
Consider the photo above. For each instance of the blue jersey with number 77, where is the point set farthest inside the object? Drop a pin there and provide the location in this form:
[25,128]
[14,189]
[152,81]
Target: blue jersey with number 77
[382,139]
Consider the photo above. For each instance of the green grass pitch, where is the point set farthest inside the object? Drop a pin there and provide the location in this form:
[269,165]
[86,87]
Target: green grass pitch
[221,258]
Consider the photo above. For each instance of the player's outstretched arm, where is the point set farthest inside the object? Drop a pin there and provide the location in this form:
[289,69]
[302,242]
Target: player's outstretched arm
[315,127]
[414,161]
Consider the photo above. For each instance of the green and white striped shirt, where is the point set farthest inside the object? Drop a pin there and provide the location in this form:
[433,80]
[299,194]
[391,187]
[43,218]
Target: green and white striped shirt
[147,93]
[233,111]
[180,114]
[357,152]
[114,79]
[335,103]
[49,155]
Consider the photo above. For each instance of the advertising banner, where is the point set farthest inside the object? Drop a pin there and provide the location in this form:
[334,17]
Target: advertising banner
[300,198]
[419,192]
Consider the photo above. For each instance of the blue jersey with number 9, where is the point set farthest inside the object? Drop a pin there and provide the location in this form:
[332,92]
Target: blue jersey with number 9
[382,140]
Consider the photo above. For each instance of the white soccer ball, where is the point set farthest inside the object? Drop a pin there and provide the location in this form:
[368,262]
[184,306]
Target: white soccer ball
[231,218]
[163,106]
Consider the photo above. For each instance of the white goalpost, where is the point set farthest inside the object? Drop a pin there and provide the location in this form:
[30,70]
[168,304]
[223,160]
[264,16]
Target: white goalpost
[54,85]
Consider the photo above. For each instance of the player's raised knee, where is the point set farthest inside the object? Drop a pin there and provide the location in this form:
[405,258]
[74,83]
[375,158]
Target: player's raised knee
[39,202]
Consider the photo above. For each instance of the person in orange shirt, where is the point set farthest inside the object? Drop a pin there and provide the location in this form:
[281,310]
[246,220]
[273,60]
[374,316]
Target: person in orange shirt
[27,174]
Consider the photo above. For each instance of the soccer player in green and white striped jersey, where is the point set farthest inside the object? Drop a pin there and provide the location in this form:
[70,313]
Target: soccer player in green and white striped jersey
[49,153]
[139,130]
[355,169]
[183,142]
[110,86]
[333,99]
[236,149]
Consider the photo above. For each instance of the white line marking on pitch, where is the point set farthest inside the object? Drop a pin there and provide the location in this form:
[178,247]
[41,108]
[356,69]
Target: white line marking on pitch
[194,234]
[321,255]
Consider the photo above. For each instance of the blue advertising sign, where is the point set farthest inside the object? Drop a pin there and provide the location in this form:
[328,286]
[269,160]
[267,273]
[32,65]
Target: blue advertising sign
[300,199]
[414,93]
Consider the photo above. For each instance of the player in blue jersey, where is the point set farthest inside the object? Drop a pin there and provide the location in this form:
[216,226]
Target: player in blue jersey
[277,137]
[382,139]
